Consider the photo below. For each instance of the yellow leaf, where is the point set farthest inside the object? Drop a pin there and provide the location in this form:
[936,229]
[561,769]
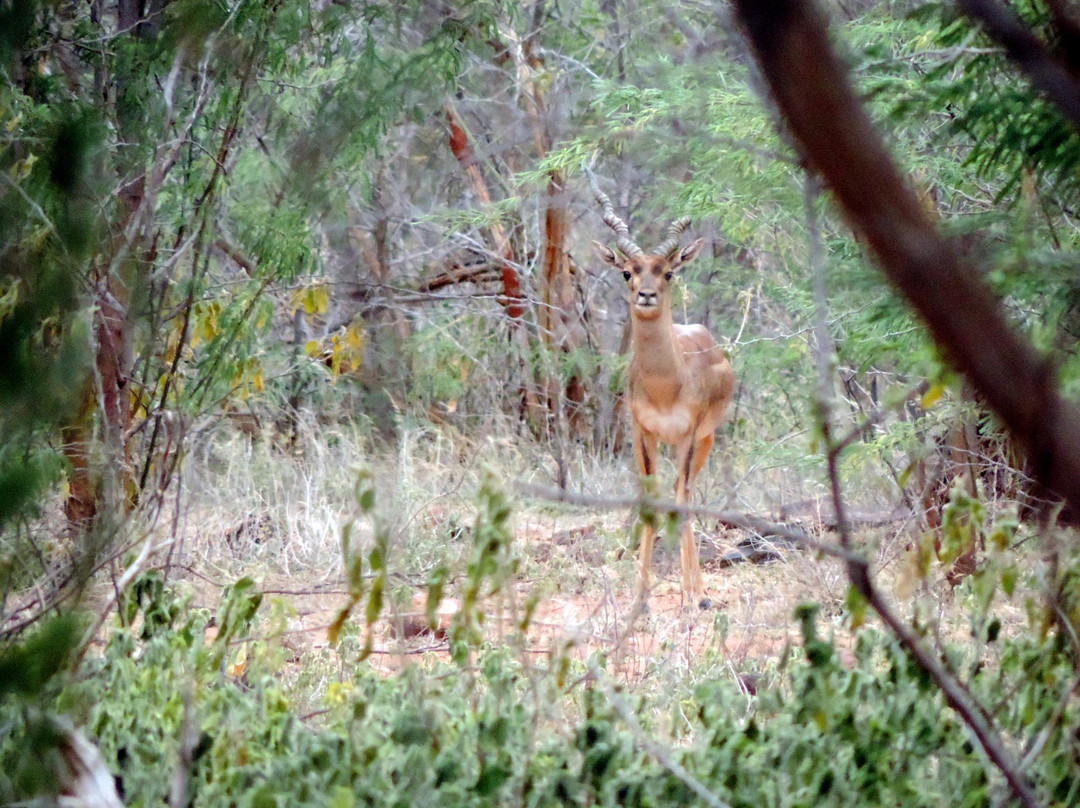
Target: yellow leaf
[335,357]
[930,397]
[137,408]
[339,693]
[311,348]
[296,300]
[23,168]
[353,337]
[316,299]
[239,665]
[333,631]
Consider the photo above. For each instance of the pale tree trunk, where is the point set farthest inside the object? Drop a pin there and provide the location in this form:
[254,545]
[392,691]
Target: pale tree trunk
[386,376]
[108,480]
[559,319]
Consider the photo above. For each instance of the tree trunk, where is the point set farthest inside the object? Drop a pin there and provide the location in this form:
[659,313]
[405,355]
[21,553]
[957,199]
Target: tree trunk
[512,299]
[461,146]
[106,393]
[560,328]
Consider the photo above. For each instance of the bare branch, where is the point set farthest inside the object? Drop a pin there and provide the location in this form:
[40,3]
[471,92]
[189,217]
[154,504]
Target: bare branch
[733,519]
[133,569]
[648,744]
[836,136]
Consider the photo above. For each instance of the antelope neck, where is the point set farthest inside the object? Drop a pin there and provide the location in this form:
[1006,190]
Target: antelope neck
[655,351]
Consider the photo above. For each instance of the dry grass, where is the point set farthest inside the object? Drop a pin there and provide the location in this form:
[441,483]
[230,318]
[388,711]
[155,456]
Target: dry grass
[254,509]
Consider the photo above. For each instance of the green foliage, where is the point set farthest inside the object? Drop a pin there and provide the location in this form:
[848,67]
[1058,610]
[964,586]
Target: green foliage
[1008,129]
[377,563]
[491,565]
[867,729]
[45,233]
[268,136]
[28,668]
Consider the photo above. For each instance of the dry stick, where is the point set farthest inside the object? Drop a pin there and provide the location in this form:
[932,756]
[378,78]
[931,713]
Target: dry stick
[836,136]
[651,746]
[1039,742]
[741,521]
[858,569]
[125,579]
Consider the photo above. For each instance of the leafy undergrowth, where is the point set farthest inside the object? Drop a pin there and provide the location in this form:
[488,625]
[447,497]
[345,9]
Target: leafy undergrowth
[494,657]
[172,702]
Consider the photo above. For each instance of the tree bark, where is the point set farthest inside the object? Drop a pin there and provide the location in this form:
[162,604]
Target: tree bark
[558,314]
[106,393]
[513,298]
[461,146]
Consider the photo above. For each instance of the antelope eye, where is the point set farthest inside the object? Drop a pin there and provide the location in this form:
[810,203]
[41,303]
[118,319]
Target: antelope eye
[667,276]
[626,274]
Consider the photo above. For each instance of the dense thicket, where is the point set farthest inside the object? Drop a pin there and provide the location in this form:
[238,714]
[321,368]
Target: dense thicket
[291,219]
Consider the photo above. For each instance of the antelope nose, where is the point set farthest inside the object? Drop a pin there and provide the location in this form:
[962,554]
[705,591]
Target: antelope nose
[646,298]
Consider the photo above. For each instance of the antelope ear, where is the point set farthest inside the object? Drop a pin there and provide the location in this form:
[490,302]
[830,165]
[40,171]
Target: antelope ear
[607,254]
[687,254]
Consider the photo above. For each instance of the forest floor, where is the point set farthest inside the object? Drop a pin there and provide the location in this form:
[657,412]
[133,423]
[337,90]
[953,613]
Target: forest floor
[583,583]
[748,629]
[574,568]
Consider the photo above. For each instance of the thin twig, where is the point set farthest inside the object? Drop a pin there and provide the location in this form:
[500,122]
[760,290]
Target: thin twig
[734,519]
[136,566]
[1047,74]
[858,569]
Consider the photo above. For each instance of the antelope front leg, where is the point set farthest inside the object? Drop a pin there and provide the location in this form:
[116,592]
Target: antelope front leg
[691,458]
[645,446]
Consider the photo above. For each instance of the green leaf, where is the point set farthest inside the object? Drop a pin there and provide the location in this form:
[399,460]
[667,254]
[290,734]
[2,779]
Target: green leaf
[28,668]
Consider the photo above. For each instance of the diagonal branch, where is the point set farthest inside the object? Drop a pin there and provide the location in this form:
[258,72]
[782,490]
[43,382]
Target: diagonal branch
[462,148]
[835,135]
[734,519]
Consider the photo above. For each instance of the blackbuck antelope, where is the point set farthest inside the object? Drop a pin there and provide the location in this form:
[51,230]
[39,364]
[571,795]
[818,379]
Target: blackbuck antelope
[681,383]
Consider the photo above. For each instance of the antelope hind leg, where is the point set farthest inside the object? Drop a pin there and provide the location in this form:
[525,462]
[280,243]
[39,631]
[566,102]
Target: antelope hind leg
[647,537]
[690,464]
[645,448]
